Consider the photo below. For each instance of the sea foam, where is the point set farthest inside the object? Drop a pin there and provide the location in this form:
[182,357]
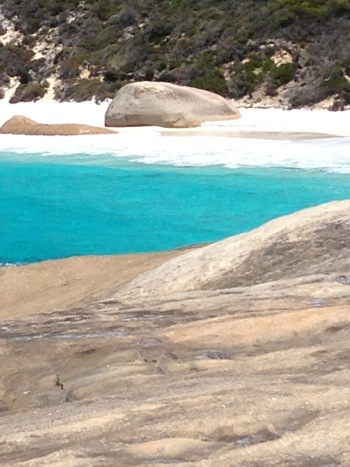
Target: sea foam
[148,145]
[330,154]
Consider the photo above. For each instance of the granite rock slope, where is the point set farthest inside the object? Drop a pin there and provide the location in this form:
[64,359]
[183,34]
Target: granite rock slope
[311,241]
[238,373]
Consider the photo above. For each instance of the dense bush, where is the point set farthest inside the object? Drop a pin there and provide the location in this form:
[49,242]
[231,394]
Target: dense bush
[214,83]
[30,92]
[337,85]
[13,59]
[86,89]
[181,41]
[317,8]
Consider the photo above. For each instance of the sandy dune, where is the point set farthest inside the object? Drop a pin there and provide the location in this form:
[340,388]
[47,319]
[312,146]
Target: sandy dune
[254,373]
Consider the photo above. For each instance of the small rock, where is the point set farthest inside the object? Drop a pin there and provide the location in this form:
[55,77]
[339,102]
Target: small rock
[318,302]
[344,279]
[67,397]
[159,370]
[170,356]
[213,355]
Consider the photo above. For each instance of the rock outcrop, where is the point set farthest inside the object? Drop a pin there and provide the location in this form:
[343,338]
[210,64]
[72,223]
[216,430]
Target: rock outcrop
[311,241]
[20,125]
[232,377]
[166,105]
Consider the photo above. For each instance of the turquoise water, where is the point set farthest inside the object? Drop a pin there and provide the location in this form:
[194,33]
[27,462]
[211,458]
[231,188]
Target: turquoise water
[54,207]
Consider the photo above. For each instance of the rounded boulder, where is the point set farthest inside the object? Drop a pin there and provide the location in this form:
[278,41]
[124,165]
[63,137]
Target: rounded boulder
[166,105]
[20,125]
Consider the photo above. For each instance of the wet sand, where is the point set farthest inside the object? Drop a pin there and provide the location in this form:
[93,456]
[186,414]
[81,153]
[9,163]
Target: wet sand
[232,133]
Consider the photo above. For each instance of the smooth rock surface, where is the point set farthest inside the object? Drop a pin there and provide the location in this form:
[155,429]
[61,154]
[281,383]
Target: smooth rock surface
[311,241]
[166,105]
[20,125]
[235,370]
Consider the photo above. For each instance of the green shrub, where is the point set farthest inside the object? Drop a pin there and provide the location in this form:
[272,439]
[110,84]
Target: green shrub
[34,91]
[111,76]
[87,89]
[24,76]
[257,69]
[15,61]
[284,73]
[82,89]
[30,92]
[336,85]
[69,68]
[215,83]
[246,76]
[158,31]
[316,8]
[126,17]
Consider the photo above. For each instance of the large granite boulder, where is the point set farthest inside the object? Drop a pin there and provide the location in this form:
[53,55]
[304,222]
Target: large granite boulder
[20,125]
[166,105]
[311,241]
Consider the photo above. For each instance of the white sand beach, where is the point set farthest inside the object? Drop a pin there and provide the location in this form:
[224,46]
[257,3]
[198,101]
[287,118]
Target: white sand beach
[260,123]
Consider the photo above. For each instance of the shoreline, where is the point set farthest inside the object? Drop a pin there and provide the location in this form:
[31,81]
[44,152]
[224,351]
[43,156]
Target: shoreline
[268,135]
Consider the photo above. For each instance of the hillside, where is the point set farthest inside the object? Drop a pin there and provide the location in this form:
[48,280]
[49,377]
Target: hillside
[274,52]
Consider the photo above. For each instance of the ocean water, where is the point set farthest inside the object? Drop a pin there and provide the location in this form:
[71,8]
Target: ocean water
[65,196]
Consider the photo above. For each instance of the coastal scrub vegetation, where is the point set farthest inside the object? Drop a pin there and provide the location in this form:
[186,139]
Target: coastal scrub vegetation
[230,47]
[29,92]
